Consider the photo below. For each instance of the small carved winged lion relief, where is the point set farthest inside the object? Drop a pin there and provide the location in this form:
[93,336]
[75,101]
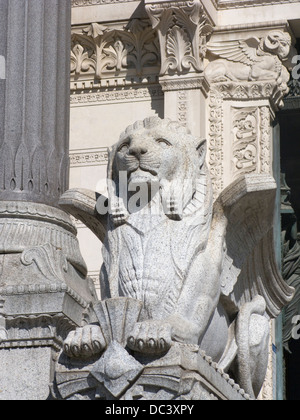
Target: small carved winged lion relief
[252,60]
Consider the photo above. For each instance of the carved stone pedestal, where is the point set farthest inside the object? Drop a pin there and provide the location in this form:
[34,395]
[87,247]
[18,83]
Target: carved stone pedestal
[44,293]
[183,373]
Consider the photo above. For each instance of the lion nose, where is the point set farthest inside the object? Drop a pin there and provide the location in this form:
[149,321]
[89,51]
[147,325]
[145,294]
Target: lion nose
[138,150]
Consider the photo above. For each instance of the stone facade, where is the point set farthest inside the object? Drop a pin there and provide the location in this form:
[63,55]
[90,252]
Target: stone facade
[165,76]
[218,67]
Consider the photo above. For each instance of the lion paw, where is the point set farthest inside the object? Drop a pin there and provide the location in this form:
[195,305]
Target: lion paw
[151,338]
[85,342]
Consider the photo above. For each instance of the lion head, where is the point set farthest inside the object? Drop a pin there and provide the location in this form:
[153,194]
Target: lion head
[278,43]
[163,155]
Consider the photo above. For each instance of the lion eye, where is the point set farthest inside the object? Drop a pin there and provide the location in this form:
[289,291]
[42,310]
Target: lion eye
[123,148]
[163,142]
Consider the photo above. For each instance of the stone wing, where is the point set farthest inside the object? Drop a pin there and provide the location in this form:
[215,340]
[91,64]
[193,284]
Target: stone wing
[249,267]
[81,204]
[244,52]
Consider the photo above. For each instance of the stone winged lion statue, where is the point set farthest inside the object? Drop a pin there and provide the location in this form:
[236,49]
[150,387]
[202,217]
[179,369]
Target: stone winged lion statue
[204,272]
[252,59]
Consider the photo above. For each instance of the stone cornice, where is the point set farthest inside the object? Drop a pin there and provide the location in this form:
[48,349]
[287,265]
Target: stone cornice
[90,157]
[85,3]
[117,95]
[185,83]
[236,4]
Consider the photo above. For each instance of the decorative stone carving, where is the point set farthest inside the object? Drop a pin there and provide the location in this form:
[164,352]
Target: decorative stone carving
[40,256]
[83,57]
[222,111]
[92,157]
[294,88]
[251,60]
[114,95]
[183,29]
[102,52]
[245,123]
[178,272]
[81,3]
[45,292]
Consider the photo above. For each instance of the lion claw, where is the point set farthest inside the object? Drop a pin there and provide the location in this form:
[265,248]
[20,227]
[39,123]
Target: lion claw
[150,338]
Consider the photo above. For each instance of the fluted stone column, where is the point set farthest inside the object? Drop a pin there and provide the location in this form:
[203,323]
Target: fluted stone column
[43,279]
[34,111]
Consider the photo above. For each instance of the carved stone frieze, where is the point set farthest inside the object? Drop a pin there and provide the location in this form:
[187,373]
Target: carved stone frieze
[103,52]
[36,331]
[116,95]
[84,3]
[199,82]
[183,29]
[90,157]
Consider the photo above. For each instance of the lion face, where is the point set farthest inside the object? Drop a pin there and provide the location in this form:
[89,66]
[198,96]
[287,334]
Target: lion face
[278,43]
[163,154]
[150,155]
[283,49]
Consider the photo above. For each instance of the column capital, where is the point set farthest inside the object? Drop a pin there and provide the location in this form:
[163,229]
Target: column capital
[183,29]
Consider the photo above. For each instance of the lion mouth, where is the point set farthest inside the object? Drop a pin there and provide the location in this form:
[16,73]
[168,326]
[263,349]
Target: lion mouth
[150,170]
[142,174]
[142,168]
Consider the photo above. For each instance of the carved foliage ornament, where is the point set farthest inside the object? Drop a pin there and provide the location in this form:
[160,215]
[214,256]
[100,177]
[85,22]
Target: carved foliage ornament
[183,31]
[245,152]
[99,51]
[251,154]
[22,170]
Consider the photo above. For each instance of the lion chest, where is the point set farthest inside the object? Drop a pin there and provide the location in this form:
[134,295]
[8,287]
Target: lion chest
[146,269]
